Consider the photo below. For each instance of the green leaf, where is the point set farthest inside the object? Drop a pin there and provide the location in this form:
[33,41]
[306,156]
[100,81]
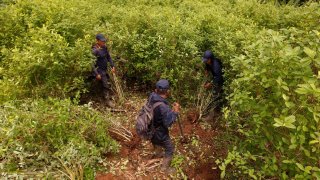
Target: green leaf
[293,146]
[309,52]
[288,122]
[290,119]
[316,117]
[285,87]
[279,80]
[291,126]
[304,128]
[287,161]
[316,169]
[314,142]
[308,169]
[306,152]
[313,86]
[223,173]
[300,166]
[289,104]
[316,174]
[278,122]
[284,175]
[285,97]
[251,171]
[303,89]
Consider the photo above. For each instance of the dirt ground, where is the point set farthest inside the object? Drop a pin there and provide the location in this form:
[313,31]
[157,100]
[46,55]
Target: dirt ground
[195,153]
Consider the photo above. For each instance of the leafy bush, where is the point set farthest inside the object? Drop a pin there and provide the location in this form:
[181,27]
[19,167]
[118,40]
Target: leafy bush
[45,48]
[52,134]
[274,102]
[46,66]
[270,54]
[274,107]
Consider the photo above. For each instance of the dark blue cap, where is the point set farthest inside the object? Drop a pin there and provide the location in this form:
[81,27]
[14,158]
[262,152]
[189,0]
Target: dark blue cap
[101,37]
[162,84]
[207,55]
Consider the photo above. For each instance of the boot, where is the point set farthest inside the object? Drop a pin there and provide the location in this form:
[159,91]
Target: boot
[158,152]
[210,116]
[165,167]
[110,103]
[108,100]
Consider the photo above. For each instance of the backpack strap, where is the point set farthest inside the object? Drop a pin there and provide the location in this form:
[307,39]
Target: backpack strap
[148,100]
[154,106]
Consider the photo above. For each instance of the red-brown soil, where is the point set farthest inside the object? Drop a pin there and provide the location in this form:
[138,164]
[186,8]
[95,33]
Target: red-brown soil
[197,147]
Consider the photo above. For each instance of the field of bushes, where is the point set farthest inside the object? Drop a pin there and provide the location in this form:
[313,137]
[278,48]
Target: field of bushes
[271,58]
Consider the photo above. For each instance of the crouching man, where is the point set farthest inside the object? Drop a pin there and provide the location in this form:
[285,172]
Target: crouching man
[214,65]
[163,118]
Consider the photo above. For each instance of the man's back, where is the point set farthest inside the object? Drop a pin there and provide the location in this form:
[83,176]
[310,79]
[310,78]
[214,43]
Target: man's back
[163,117]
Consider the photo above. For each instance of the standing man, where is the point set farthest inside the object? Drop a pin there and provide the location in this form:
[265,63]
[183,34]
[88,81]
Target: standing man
[163,118]
[100,67]
[214,65]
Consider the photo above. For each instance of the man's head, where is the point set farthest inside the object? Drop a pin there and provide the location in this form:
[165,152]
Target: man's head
[162,87]
[101,40]
[207,57]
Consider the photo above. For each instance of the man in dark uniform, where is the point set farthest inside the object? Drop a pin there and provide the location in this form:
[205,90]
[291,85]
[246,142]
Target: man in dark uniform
[100,67]
[164,117]
[214,65]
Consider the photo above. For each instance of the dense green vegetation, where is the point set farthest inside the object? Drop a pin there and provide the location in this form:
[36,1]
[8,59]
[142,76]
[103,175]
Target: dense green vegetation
[270,53]
[54,133]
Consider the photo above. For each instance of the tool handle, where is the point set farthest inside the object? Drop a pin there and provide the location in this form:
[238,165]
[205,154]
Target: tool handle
[180,127]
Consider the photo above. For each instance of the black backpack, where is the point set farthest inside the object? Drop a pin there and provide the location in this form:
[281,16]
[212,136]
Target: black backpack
[144,124]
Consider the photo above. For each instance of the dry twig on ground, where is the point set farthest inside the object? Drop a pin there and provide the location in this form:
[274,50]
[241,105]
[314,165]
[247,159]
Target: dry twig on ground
[120,132]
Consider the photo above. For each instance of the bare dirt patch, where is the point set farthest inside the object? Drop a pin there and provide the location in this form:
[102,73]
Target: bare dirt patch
[196,149]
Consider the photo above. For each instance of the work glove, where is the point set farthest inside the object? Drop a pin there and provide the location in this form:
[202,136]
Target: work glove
[176,107]
[98,77]
[208,85]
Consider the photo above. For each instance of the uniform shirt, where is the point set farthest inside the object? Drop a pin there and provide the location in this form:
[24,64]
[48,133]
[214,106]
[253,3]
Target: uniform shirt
[163,118]
[103,57]
[216,70]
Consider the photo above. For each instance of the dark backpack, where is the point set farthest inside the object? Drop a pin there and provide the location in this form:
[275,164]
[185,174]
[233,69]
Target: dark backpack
[144,124]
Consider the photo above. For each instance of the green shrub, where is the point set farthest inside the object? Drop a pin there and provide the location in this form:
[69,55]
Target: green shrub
[45,48]
[274,106]
[52,134]
[270,54]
